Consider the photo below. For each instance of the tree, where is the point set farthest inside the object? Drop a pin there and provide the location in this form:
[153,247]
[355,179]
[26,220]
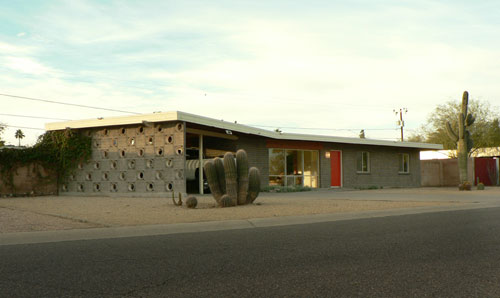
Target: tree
[485,132]
[19,135]
[2,127]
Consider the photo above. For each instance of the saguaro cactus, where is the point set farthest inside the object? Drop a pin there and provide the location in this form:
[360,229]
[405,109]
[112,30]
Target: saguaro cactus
[232,183]
[463,138]
[242,167]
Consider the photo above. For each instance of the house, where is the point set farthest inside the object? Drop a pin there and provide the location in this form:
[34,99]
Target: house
[155,154]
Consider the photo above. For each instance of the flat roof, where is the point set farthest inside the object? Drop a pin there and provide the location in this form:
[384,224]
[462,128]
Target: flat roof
[191,118]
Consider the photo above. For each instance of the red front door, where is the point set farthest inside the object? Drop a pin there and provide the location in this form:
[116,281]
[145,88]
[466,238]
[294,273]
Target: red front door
[336,168]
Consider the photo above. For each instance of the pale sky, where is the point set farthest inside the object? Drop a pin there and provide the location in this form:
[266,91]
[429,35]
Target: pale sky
[337,65]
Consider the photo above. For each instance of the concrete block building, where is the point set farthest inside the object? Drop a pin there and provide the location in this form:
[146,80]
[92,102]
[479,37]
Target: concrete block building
[156,154]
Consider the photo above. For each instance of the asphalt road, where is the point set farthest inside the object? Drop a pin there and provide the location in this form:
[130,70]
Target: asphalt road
[446,254]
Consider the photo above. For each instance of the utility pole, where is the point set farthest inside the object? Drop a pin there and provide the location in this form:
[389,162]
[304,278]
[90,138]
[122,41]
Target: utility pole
[401,122]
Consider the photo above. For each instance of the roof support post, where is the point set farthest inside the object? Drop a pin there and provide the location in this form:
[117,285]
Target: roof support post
[200,156]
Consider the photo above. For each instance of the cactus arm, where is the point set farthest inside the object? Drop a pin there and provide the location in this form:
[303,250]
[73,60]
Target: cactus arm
[231,177]
[470,120]
[253,184]
[451,133]
[219,167]
[242,169]
[213,181]
[465,102]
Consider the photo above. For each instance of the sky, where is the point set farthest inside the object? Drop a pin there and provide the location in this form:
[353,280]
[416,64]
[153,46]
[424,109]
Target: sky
[313,67]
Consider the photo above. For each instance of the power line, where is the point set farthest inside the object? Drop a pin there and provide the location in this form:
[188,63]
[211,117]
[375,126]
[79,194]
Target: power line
[67,104]
[24,127]
[34,117]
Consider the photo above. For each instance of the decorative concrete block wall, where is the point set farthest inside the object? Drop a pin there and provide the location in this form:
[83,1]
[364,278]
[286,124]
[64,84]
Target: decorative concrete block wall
[133,160]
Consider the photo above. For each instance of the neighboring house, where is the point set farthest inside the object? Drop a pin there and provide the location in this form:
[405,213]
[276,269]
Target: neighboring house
[155,154]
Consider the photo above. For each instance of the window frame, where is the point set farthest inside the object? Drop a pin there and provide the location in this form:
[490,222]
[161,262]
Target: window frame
[368,167]
[401,163]
[285,177]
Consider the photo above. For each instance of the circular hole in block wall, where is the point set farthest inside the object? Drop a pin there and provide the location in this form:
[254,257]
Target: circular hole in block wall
[105,176]
[179,151]
[97,165]
[179,174]
[64,187]
[169,186]
[150,164]
[150,187]
[96,143]
[122,176]
[115,142]
[179,126]
[123,131]
[80,166]
[160,129]
[88,133]
[79,187]
[105,132]
[159,151]
[131,187]
[104,154]
[131,141]
[114,187]
[131,164]
[140,175]
[72,177]
[140,152]
[169,163]
[140,129]
[97,187]
[122,153]
[150,141]
[158,175]
[170,139]
[88,177]
[113,164]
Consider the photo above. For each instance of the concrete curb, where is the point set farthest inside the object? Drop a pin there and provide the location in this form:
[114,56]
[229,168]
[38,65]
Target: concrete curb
[167,229]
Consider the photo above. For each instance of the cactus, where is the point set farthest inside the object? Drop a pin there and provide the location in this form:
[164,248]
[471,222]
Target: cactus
[463,138]
[213,180]
[253,185]
[179,203]
[231,177]
[219,166]
[191,202]
[226,201]
[242,168]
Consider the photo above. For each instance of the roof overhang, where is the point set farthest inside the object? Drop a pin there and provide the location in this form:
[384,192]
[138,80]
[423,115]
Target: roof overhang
[191,118]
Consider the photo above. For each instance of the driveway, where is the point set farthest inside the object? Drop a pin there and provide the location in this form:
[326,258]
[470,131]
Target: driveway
[62,212]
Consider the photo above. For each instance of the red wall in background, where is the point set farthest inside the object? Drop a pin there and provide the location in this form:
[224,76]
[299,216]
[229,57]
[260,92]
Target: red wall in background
[485,169]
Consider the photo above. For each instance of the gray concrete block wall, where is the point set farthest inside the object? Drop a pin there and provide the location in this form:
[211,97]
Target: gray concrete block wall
[133,160]
[258,155]
[384,167]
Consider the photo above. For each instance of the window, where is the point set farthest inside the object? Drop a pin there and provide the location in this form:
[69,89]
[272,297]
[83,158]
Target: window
[404,163]
[293,167]
[363,162]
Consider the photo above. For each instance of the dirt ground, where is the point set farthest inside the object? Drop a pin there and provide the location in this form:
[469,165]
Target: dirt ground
[61,212]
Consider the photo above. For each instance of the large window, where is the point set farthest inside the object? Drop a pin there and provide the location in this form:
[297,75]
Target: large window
[363,162]
[404,163]
[293,167]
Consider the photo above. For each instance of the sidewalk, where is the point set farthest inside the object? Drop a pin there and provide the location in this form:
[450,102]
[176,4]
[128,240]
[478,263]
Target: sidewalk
[66,213]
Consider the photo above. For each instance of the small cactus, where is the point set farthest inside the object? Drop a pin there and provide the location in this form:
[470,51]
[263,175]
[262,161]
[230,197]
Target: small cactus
[226,201]
[179,203]
[191,202]
[242,168]
[213,180]
[231,177]
[253,185]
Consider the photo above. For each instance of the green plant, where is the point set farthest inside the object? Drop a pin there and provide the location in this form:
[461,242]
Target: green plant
[56,151]
[480,186]
[278,188]
[466,185]
[241,185]
[253,185]
[226,201]
[179,202]
[243,179]
[191,202]
[463,138]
